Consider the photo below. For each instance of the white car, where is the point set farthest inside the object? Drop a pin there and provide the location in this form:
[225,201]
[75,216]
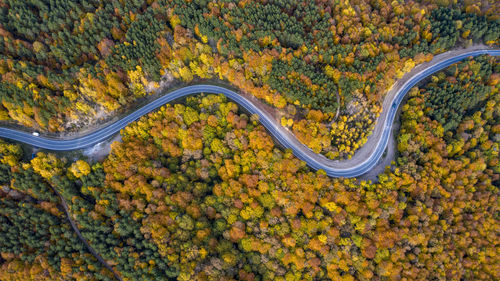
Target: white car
[36,134]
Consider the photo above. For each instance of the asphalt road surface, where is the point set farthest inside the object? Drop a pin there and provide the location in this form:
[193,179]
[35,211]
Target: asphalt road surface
[364,159]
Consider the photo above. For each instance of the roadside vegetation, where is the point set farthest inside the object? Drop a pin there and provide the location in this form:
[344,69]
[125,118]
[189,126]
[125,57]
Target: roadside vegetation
[200,191]
[67,64]
[37,241]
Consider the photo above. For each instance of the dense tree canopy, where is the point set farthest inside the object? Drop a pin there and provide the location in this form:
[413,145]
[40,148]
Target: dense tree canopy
[67,64]
[198,190]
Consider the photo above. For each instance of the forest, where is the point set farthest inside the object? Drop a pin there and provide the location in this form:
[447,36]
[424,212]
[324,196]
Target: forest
[198,190]
[36,241]
[325,65]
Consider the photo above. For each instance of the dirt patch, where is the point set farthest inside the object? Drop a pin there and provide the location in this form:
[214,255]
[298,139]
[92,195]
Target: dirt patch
[101,150]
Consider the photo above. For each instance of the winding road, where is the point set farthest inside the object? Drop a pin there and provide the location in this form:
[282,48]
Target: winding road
[362,161]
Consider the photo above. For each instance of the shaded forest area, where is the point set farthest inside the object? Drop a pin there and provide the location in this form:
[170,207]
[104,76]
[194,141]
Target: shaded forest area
[67,64]
[199,191]
[37,241]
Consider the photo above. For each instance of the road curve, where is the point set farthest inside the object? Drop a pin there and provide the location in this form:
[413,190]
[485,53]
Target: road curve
[365,159]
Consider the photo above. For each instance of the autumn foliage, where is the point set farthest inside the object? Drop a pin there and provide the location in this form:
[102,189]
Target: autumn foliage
[69,66]
[198,190]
